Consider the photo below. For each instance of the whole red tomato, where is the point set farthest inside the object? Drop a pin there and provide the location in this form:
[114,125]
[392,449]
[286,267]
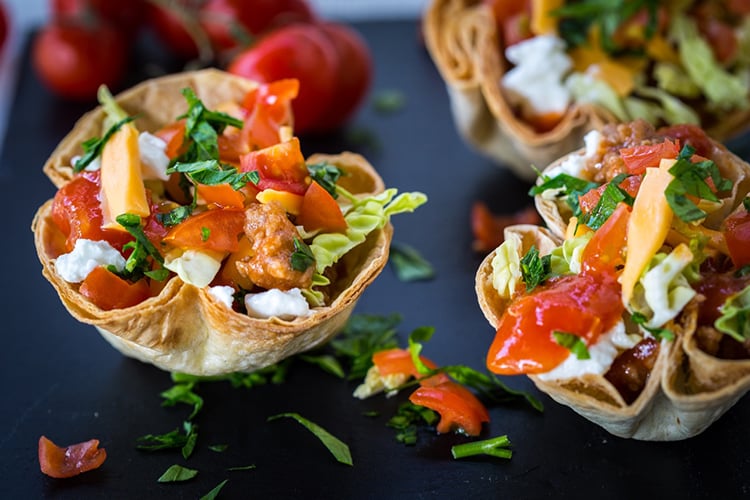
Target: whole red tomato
[354,77]
[300,51]
[73,59]
[127,16]
[170,23]
[225,21]
[3,26]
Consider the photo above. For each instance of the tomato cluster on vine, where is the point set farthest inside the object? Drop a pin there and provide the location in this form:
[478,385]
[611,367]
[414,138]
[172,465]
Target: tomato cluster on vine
[87,43]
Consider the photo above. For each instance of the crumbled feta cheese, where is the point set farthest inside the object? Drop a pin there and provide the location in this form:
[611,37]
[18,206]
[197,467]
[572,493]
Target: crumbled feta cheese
[287,304]
[603,353]
[154,160]
[536,80]
[73,267]
[192,266]
[376,383]
[224,294]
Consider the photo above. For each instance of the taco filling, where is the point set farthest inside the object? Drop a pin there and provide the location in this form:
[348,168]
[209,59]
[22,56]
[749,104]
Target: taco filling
[657,235]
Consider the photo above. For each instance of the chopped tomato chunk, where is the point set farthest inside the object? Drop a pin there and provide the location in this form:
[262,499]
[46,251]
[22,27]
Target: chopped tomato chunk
[281,167]
[221,196]
[604,253]
[737,235]
[108,291]
[395,361]
[488,228]
[269,108]
[174,135]
[59,462]
[320,211]
[217,230]
[638,158]
[588,201]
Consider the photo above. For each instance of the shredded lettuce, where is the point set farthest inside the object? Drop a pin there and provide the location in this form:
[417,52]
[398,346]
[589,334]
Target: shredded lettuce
[364,216]
[663,290]
[588,89]
[735,316]
[506,266]
[673,110]
[566,259]
[722,89]
[673,79]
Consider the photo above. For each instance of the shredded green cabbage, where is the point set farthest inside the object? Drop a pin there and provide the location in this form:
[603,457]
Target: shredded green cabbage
[506,266]
[722,89]
[566,259]
[587,89]
[364,216]
[673,110]
[663,290]
[735,316]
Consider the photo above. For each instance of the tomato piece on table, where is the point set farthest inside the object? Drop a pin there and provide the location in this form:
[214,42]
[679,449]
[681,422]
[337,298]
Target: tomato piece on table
[585,305]
[488,228]
[398,361]
[320,211]
[108,291]
[638,158]
[736,231]
[77,212]
[216,230]
[281,167]
[58,462]
[459,409]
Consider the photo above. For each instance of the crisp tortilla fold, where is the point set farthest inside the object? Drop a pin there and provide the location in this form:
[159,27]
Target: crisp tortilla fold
[687,389]
[463,41]
[184,329]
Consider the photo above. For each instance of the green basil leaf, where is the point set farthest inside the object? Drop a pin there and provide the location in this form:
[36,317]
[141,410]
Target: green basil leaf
[573,343]
[338,448]
[408,264]
[177,473]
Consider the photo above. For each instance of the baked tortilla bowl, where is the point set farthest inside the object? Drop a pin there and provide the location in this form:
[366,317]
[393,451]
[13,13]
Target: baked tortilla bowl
[686,391]
[184,328]
[463,41]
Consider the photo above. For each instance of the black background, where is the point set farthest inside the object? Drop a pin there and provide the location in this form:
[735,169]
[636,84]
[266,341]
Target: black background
[62,380]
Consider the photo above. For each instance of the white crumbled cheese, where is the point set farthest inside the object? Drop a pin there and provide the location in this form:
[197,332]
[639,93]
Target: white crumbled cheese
[192,266]
[603,353]
[224,294]
[536,80]
[154,159]
[287,304]
[574,164]
[73,267]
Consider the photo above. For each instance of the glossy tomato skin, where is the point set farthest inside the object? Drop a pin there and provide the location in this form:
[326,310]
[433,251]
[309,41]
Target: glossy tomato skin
[354,76]
[298,51]
[126,16]
[169,27]
[224,19]
[73,59]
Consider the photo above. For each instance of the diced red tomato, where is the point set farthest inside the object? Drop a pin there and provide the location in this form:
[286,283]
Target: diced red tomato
[512,18]
[216,230]
[269,108]
[488,228]
[76,211]
[721,36]
[59,462]
[221,196]
[736,231]
[638,158]
[717,288]
[320,211]
[459,409]
[585,305]
[604,252]
[108,291]
[281,167]
[589,200]
[398,361]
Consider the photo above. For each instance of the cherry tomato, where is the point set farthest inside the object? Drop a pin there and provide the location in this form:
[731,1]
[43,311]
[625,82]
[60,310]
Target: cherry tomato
[126,16]
[73,59]
[298,51]
[169,25]
[354,77]
[59,462]
[3,27]
[226,21]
